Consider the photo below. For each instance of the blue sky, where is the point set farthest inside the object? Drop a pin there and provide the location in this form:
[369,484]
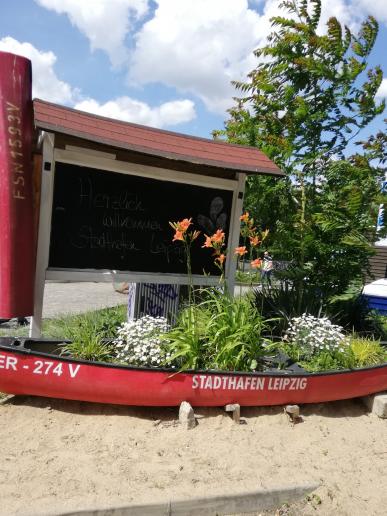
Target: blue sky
[164,63]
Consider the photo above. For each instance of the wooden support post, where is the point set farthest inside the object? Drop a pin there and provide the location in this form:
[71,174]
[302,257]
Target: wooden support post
[234,232]
[48,165]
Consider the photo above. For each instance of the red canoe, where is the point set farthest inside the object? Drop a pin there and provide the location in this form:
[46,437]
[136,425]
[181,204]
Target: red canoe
[31,367]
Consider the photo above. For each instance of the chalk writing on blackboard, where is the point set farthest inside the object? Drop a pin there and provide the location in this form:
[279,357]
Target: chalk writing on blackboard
[92,199]
[109,220]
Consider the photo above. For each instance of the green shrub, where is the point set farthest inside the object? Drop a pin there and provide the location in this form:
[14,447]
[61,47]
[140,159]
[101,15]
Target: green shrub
[219,333]
[89,347]
[285,301]
[75,327]
[329,361]
[186,341]
[367,352]
[351,311]
[248,277]
[87,331]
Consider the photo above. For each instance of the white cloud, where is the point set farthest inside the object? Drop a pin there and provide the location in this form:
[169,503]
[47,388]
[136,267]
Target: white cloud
[131,110]
[377,8]
[382,91]
[104,22]
[200,47]
[47,86]
[343,11]
[197,47]
[45,83]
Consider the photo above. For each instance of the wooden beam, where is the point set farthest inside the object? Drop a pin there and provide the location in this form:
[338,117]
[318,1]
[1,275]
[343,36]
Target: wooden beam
[44,232]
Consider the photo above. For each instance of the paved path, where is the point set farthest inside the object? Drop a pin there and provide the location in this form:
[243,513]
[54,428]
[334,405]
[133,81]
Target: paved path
[65,298]
[74,298]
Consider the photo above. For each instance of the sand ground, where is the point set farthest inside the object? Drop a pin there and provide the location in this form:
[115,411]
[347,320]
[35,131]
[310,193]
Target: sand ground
[59,456]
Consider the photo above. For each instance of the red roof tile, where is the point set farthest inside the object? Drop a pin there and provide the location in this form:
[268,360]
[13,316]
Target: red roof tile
[147,140]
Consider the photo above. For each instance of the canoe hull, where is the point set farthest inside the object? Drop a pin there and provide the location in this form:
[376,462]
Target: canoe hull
[25,372]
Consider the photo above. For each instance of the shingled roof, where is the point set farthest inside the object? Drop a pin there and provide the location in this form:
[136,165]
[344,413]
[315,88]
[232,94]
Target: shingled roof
[150,141]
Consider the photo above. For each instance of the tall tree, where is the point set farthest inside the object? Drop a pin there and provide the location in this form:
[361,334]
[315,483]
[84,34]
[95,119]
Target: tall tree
[308,97]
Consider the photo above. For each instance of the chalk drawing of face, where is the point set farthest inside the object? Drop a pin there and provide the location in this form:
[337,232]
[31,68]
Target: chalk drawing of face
[217,218]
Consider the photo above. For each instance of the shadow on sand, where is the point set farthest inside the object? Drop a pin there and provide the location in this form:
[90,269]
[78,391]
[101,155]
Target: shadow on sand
[336,409]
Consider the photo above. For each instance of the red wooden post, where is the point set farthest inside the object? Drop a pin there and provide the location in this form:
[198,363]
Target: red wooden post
[17,239]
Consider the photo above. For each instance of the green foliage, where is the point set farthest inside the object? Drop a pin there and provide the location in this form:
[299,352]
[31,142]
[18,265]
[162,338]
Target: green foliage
[360,353]
[342,227]
[308,97]
[219,333]
[286,301]
[99,322]
[234,331]
[376,147]
[328,362]
[367,352]
[87,331]
[305,92]
[186,341]
[89,346]
[248,277]
[323,361]
[351,311]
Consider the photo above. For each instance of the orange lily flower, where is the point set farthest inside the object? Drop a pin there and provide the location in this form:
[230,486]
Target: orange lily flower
[218,237]
[254,240]
[221,258]
[245,217]
[255,264]
[241,250]
[208,242]
[178,236]
[184,224]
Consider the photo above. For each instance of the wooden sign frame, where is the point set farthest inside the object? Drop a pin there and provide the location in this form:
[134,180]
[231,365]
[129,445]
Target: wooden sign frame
[107,162]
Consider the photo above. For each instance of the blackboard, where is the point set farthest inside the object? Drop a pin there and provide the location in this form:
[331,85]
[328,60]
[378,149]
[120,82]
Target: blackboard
[109,220]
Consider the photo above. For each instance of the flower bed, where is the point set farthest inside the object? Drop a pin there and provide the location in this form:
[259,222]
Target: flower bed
[218,331]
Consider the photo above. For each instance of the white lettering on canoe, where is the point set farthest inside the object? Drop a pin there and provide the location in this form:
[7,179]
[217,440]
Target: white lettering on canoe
[7,362]
[39,367]
[73,370]
[248,383]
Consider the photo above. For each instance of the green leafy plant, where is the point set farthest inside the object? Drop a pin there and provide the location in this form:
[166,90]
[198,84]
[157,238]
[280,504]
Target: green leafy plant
[331,361]
[286,301]
[235,331]
[87,332]
[76,327]
[367,352]
[186,343]
[89,347]
[306,99]
[221,332]
[248,277]
[351,311]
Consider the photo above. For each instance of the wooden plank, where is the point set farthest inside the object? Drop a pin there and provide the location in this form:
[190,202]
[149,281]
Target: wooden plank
[44,232]
[108,276]
[123,167]
[210,506]
[234,232]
